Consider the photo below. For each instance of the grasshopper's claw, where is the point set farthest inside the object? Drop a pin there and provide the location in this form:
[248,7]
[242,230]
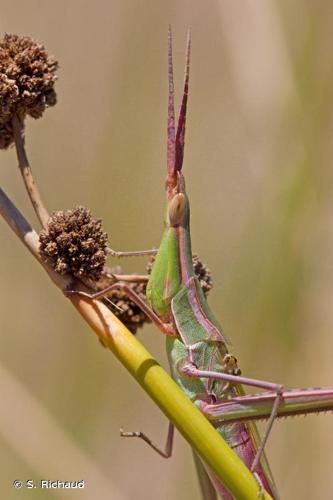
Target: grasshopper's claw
[261,490]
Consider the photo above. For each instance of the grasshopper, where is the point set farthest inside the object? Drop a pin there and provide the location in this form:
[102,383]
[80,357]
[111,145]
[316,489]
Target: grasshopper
[198,350]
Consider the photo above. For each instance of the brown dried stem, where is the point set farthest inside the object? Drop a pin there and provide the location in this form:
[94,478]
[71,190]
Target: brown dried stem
[25,169]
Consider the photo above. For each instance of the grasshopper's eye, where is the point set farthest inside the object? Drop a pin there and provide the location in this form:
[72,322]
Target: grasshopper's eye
[176,209]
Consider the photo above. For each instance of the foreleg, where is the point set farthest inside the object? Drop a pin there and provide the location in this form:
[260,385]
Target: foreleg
[166,328]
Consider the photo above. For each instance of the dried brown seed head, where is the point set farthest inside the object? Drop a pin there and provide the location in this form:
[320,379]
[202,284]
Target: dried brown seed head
[75,243]
[27,78]
[203,274]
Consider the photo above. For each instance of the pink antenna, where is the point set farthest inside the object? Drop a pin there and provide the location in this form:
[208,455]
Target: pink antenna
[176,141]
[171,153]
[180,136]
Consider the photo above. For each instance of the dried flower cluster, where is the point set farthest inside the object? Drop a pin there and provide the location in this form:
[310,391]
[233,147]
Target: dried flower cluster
[27,78]
[74,242]
[203,274]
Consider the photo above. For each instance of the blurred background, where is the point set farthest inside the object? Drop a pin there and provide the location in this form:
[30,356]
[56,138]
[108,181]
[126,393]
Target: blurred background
[259,174]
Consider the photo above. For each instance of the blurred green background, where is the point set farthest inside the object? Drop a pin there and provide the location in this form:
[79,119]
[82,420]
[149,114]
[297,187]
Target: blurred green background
[259,175]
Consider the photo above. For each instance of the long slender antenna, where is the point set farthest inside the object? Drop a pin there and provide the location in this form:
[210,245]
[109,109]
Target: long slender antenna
[171,152]
[180,136]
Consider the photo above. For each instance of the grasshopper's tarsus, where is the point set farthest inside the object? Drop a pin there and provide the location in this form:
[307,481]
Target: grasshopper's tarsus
[164,453]
[261,490]
[89,296]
